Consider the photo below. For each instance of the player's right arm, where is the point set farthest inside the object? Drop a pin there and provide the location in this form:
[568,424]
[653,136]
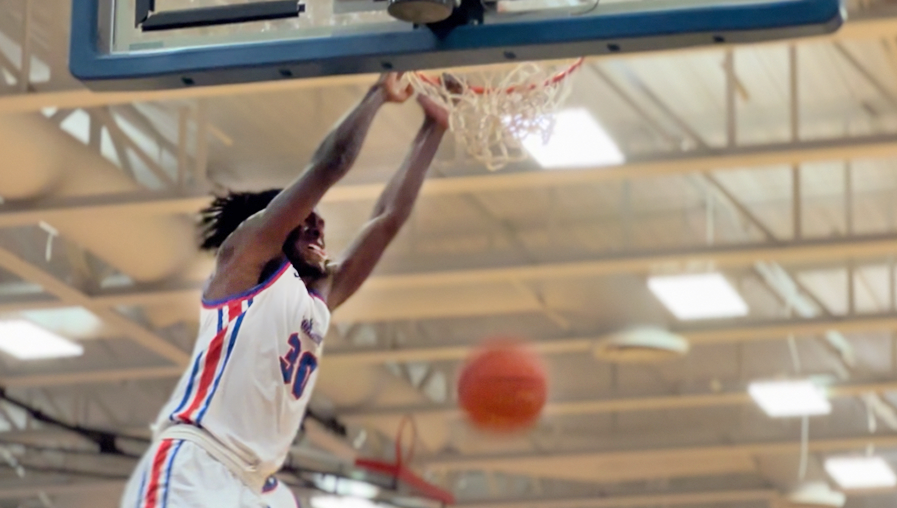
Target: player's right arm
[260,238]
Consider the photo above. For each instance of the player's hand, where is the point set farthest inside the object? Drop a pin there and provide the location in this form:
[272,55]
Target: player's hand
[434,111]
[395,90]
[452,84]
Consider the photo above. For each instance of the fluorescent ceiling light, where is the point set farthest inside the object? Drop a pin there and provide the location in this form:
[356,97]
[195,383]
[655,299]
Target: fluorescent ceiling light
[74,322]
[27,341]
[577,141]
[782,399]
[861,472]
[816,495]
[346,487]
[341,502]
[698,296]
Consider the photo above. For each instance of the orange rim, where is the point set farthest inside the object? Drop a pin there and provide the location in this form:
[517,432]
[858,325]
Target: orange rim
[479,90]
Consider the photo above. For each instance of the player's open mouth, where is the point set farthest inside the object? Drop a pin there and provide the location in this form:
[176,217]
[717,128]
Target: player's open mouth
[317,248]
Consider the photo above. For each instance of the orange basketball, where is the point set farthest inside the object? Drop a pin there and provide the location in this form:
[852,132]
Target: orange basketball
[503,386]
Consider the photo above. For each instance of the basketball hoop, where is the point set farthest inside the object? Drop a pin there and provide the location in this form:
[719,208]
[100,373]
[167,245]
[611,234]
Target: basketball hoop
[492,111]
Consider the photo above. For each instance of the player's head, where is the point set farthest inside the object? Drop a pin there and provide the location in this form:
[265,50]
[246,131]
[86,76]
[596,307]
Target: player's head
[304,247]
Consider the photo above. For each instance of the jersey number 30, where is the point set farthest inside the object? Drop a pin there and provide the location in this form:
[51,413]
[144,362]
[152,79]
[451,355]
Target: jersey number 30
[297,366]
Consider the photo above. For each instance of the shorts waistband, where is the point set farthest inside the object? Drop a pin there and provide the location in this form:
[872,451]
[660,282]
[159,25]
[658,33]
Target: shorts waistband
[246,472]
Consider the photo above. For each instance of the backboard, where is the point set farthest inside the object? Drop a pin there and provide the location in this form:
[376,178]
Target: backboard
[155,44]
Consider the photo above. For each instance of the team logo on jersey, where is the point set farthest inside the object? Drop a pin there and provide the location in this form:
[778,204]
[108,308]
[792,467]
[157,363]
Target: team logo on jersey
[308,328]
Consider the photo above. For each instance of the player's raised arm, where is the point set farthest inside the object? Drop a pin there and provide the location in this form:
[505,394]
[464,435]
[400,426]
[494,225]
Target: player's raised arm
[261,237]
[391,211]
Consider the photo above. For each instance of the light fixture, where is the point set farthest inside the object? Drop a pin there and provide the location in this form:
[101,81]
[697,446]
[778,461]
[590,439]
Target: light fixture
[75,323]
[783,399]
[698,296]
[341,502]
[815,495]
[346,487]
[643,344]
[27,341]
[861,472]
[577,140]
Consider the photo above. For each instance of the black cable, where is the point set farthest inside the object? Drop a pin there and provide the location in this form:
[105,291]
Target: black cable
[52,449]
[331,423]
[105,440]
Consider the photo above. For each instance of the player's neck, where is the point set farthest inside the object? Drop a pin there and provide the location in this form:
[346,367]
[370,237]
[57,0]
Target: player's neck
[309,275]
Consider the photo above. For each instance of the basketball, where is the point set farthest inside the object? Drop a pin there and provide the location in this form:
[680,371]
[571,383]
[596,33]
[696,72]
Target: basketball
[503,386]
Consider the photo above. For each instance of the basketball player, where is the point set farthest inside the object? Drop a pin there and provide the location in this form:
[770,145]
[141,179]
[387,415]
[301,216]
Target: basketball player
[230,422]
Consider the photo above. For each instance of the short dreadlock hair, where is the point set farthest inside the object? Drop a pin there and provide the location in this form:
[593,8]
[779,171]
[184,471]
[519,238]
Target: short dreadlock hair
[226,213]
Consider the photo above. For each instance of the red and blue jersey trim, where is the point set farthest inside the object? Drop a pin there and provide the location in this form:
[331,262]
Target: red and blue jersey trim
[315,294]
[208,368]
[245,295]
[230,347]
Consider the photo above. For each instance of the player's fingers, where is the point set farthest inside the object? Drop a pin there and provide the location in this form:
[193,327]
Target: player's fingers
[452,83]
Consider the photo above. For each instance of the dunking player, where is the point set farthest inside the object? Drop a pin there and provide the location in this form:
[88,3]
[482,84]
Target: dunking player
[229,424]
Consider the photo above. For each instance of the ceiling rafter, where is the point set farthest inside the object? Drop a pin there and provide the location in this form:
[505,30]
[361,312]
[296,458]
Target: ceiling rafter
[188,201]
[506,462]
[615,404]
[72,296]
[698,336]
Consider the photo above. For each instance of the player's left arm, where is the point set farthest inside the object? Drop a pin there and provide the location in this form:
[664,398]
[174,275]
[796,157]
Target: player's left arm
[391,211]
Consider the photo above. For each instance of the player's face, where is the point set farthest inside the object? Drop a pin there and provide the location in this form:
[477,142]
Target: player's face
[309,243]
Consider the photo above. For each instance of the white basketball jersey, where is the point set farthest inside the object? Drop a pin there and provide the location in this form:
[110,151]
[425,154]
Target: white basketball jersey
[253,369]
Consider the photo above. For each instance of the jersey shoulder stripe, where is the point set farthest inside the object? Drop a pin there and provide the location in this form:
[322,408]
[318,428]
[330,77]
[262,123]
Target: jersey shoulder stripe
[209,366]
[245,295]
[230,347]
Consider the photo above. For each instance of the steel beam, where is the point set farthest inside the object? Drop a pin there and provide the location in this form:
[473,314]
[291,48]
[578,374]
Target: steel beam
[614,404]
[641,262]
[90,376]
[368,307]
[24,490]
[136,203]
[870,147]
[507,462]
[771,330]
[661,499]
[697,498]
[72,296]
[190,201]
[737,333]
[638,262]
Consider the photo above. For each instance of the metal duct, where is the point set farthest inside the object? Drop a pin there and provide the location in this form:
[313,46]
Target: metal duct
[38,160]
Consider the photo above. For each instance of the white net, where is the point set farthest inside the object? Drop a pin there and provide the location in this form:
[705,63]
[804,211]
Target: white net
[493,111]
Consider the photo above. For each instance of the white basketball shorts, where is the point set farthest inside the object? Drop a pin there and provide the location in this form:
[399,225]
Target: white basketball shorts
[179,474]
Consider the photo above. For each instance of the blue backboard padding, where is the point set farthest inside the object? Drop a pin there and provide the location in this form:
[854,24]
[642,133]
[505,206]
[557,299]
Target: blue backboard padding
[420,49]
